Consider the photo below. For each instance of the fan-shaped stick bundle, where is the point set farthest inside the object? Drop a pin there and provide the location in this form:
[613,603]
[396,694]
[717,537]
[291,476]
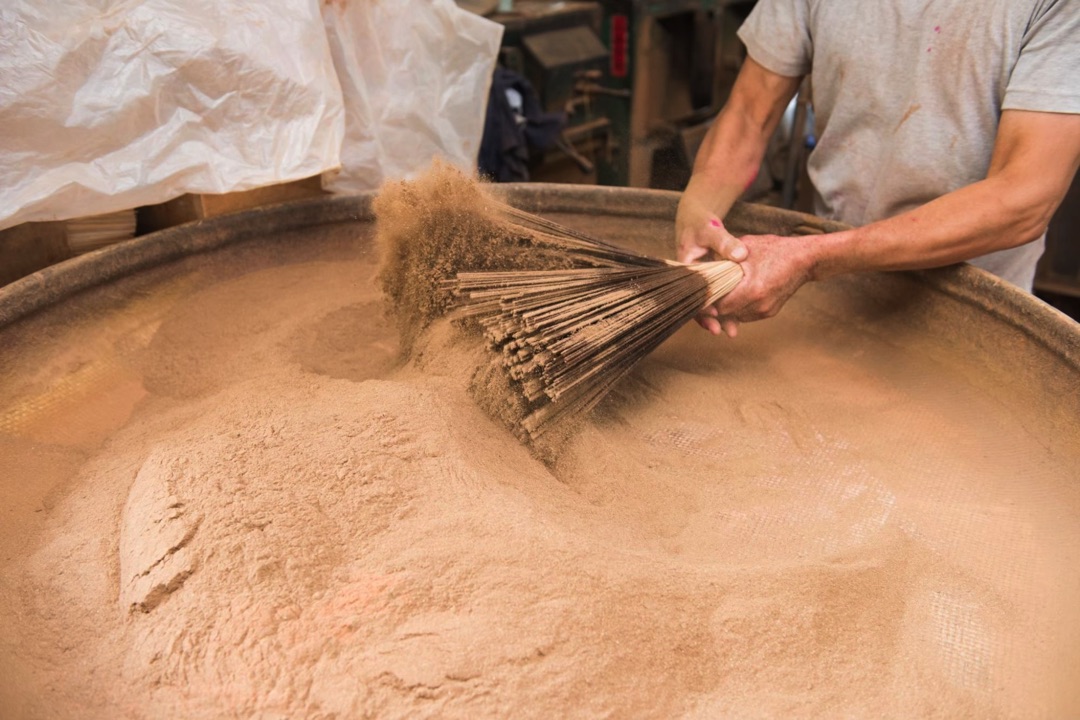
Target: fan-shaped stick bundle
[567,336]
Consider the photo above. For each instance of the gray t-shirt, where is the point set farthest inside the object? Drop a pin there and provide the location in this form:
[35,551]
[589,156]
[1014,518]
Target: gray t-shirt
[908,94]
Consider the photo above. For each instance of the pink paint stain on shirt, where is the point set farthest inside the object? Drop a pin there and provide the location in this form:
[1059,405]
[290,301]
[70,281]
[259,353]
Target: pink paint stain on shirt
[937,29]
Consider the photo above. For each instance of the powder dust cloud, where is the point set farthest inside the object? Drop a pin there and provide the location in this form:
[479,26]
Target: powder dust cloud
[267,512]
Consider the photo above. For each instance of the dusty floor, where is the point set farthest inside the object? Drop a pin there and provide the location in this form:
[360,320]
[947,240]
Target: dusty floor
[252,509]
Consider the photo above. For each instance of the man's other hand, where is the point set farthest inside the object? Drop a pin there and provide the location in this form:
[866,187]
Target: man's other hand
[700,233]
[774,267]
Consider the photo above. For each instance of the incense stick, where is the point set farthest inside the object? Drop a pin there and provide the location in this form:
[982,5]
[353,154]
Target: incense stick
[566,337]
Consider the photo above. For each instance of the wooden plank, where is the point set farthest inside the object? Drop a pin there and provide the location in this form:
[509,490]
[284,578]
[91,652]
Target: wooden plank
[197,207]
[29,247]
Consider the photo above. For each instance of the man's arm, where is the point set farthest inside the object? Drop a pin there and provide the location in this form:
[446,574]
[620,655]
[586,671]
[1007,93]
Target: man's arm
[729,159]
[1035,157]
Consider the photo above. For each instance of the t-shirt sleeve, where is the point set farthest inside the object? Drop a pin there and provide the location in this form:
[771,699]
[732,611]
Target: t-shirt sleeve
[1046,77]
[777,36]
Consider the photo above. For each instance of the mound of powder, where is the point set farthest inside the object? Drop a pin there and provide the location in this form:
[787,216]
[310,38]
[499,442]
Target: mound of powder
[340,549]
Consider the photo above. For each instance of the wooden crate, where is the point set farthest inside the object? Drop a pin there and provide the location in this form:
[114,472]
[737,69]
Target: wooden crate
[197,207]
[29,247]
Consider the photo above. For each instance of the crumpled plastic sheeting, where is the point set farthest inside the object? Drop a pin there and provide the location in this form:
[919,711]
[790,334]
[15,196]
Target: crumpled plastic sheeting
[415,75]
[107,105]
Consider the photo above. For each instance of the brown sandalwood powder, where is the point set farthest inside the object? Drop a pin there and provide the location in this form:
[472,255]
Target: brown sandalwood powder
[266,513]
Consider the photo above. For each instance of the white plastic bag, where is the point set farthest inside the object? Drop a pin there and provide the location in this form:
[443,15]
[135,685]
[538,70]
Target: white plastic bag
[415,75]
[106,105]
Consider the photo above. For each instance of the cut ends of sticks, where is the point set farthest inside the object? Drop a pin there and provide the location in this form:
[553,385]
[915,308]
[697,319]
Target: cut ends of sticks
[566,337]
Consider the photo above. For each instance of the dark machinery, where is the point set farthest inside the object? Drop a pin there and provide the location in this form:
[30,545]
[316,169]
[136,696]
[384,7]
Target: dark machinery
[639,80]
[1057,279]
[678,60]
[556,46]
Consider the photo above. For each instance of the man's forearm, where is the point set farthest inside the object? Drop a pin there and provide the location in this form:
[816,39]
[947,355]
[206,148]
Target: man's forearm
[1035,158]
[730,156]
[990,215]
[728,161]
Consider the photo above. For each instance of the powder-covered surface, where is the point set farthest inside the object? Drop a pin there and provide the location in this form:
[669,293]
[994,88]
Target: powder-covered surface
[262,513]
[435,226]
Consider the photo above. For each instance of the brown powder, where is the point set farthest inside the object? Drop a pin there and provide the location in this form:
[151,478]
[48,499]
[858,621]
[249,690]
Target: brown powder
[431,228]
[428,230]
[443,223]
[291,524]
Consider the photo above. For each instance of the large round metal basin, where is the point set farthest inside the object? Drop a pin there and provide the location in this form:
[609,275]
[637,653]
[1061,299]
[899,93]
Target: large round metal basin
[867,506]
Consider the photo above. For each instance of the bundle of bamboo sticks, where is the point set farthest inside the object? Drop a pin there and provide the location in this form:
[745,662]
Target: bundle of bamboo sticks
[566,337]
